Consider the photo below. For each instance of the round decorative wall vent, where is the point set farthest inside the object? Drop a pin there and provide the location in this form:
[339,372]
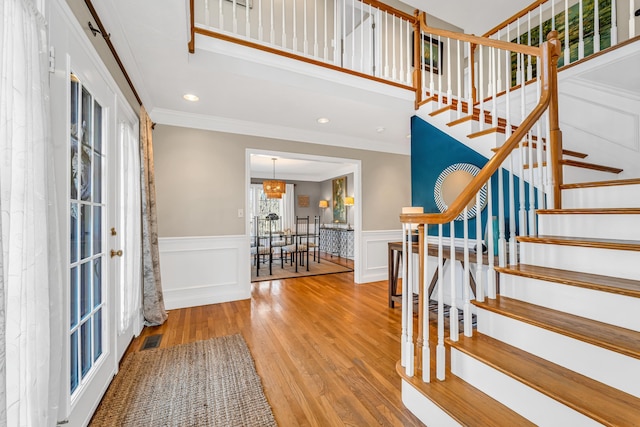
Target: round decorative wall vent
[451,182]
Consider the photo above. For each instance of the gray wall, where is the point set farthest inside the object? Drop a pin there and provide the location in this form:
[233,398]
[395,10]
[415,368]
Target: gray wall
[200,180]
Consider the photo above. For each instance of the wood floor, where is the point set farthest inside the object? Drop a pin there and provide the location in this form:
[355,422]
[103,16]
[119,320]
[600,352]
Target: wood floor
[325,348]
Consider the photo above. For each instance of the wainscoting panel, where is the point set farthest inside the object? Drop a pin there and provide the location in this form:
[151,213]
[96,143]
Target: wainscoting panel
[375,254]
[204,270]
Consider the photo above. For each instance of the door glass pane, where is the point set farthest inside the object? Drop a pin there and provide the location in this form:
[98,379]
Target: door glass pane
[97,127]
[97,179]
[97,335]
[97,229]
[87,122]
[85,172]
[73,297]
[74,361]
[75,103]
[73,229]
[85,346]
[85,290]
[97,282]
[85,231]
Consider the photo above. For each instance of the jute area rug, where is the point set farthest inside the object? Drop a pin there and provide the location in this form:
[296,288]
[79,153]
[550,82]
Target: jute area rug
[277,273]
[205,383]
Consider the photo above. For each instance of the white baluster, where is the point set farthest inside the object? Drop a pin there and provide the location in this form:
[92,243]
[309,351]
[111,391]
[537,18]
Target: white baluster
[540,156]
[410,351]
[362,29]
[453,311]
[614,22]
[386,45]
[460,94]
[508,132]
[353,35]
[405,298]
[305,38]
[491,274]
[247,23]
[394,76]
[440,351]
[502,242]
[632,21]
[499,80]
[479,251]
[326,44]
[284,26]
[529,66]
[207,18]
[294,37]
[272,32]
[235,17]
[426,352]
[494,106]
[440,100]
[449,79]
[567,51]
[523,214]
[466,309]
[550,179]
[596,27]
[471,73]
[432,86]
[580,31]
[260,27]
[337,58]
[409,35]
[401,46]
[221,15]
[481,86]
[315,28]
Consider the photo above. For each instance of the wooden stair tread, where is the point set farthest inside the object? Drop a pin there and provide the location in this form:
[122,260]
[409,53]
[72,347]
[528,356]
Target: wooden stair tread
[596,282]
[590,211]
[625,245]
[456,397]
[614,338]
[608,183]
[598,401]
[592,166]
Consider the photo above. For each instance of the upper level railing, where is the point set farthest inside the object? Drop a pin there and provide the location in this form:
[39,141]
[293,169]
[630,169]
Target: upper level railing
[365,38]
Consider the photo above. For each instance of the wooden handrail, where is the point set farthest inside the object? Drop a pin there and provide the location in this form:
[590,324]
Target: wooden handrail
[391,10]
[549,52]
[482,41]
[516,16]
[192,30]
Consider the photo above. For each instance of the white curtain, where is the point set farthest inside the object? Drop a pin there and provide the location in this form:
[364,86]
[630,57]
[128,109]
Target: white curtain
[289,208]
[26,355]
[130,225]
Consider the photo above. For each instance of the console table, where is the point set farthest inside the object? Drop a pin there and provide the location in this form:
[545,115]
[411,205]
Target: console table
[395,259]
[337,241]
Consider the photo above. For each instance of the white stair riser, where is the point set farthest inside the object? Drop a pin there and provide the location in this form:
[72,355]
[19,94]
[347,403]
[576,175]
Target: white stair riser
[604,307]
[535,406]
[423,408]
[608,367]
[603,226]
[577,175]
[618,196]
[607,262]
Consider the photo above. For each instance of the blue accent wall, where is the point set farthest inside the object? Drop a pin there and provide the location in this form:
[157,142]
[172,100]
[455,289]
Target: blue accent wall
[432,151]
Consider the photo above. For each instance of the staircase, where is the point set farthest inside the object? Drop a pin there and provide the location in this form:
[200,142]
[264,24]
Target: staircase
[560,345]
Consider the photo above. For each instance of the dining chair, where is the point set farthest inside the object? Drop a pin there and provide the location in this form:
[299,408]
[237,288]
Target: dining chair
[300,244]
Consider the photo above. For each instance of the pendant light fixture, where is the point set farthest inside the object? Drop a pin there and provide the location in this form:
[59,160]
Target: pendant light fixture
[273,188]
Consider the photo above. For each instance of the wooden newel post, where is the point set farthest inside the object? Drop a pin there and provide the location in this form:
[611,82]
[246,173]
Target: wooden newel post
[417,69]
[551,54]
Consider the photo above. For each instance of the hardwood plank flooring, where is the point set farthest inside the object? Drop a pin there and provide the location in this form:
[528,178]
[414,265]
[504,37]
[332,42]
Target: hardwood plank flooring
[325,347]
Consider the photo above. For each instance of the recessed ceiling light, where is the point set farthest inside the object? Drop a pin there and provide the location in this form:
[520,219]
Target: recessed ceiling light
[323,120]
[190,97]
[380,129]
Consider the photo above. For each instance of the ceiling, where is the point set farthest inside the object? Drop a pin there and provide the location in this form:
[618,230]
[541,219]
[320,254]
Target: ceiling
[242,90]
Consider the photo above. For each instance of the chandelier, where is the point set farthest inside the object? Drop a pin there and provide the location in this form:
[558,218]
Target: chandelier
[273,188]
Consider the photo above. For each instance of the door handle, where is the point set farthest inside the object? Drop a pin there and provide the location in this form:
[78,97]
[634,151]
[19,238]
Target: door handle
[116,253]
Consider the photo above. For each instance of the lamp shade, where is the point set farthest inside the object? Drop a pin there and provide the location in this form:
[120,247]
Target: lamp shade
[274,189]
[323,204]
[348,201]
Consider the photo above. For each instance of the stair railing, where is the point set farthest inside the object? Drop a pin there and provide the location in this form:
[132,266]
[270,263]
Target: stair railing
[585,27]
[361,37]
[514,182]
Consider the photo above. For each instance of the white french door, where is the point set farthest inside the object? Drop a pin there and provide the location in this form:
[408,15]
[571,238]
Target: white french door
[89,118]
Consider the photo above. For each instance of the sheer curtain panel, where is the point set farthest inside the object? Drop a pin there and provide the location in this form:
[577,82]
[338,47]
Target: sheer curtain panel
[26,353]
